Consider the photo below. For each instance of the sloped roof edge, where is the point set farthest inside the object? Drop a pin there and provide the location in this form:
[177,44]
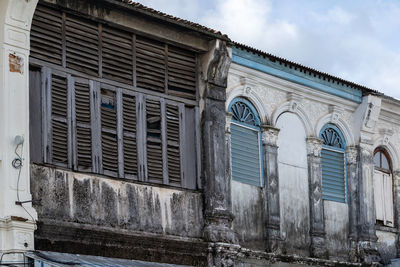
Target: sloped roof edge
[142,9]
[365,90]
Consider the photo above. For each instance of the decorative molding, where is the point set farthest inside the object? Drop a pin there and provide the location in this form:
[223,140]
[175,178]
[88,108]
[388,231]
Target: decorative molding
[336,113]
[314,146]
[228,122]
[269,135]
[351,154]
[295,101]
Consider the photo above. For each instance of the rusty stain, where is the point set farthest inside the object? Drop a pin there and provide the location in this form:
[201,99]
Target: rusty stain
[16,63]
[19,219]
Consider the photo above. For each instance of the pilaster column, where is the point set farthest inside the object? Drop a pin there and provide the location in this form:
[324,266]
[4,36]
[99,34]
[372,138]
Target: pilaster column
[367,234]
[17,221]
[271,188]
[353,200]
[217,177]
[317,225]
[396,198]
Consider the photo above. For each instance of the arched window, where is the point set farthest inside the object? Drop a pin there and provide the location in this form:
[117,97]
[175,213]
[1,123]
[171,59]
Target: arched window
[245,143]
[383,188]
[333,164]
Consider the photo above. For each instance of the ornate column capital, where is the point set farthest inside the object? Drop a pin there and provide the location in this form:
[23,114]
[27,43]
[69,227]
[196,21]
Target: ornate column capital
[351,154]
[269,135]
[314,146]
[228,122]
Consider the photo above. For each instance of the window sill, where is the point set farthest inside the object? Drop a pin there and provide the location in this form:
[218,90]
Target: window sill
[387,229]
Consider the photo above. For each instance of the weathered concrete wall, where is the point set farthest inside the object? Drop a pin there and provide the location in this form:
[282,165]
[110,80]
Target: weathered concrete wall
[337,229]
[247,207]
[386,245]
[92,200]
[293,184]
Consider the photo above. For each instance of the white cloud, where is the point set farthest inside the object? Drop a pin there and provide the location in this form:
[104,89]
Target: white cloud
[357,41]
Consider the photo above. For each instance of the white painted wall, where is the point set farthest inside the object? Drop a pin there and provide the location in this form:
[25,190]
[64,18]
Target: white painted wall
[337,229]
[293,183]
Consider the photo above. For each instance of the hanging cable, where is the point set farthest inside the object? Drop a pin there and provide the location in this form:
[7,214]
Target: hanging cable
[17,163]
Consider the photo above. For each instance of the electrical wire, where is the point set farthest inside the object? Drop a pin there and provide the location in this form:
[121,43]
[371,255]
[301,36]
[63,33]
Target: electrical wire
[17,163]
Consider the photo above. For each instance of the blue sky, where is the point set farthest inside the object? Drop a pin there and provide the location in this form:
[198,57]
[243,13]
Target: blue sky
[357,40]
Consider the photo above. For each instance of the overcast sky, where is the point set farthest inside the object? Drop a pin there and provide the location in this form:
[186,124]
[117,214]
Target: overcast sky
[357,40]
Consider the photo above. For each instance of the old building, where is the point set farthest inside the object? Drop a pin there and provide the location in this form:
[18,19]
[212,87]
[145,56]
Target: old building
[131,136]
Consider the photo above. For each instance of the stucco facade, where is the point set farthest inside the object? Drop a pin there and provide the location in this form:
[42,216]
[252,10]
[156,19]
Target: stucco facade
[215,221]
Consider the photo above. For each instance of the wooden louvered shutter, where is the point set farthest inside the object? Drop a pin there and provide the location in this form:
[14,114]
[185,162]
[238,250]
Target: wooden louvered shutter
[245,149]
[150,64]
[153,140]
[59,120]
[82,124]
[117,58]
[82,51]
[129,135]
[333,175]
[181,72]
[46,35]
[173,129]
[109,142]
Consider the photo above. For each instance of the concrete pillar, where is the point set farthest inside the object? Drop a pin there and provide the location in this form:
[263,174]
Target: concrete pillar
[271,188]
[367,232]
[317,225]
[396,199]
[353,199]
[17,222]
[217,177]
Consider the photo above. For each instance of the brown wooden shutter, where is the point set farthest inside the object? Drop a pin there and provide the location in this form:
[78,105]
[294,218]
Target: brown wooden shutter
[82,45]
[181,72]
[129,136]
[173,144]
[153,142]
[59,119]
[117,55]
[83,126]
[150,64]
[46,35]
[109,133]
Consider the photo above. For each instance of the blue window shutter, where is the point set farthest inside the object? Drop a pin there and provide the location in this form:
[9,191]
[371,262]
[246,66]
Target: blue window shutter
[245,149]
[333,175]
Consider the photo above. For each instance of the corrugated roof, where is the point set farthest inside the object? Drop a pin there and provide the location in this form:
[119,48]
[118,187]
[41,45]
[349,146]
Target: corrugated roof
[172,19]
[306,69]
[217,34]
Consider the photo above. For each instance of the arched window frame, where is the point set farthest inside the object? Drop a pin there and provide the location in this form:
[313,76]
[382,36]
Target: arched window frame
[255,127]
[389,172]
[388,158]
[341,149]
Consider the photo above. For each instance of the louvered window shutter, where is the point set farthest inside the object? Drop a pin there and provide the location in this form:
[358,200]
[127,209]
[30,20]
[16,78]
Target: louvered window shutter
[333,173]
[173,128]
[82,45]
[46,35]
[109,141]
[129,107]
[153,140]
[117,55]
[388,199]
[82,124]
[150,64]
[181,72]
[379,196]
[245,150]
[59,120]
